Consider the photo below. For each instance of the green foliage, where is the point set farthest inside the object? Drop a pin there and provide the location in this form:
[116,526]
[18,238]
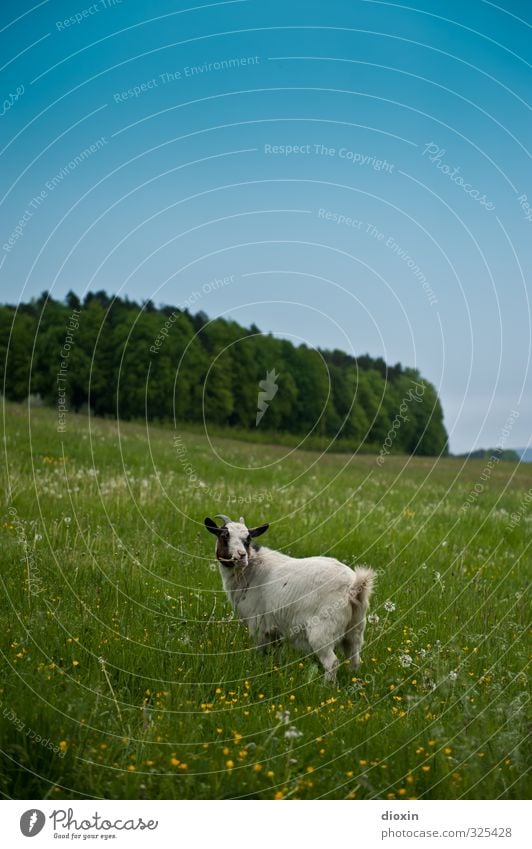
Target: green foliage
[139,362]
[119,649]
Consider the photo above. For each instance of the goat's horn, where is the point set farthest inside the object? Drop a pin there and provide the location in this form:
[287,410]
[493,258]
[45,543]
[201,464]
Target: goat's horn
[221,516]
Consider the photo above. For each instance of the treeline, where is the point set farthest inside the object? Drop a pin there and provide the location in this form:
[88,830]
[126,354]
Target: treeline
[134,361]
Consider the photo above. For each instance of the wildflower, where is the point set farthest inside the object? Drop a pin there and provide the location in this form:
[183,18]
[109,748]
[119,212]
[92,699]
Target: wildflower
[405,660]
[63,745]
[453,675]
[257,767]
[373,619]
[131,768]
[279,795]
[67,520]
[174,761]
[426,768]
[283,716]
[389,606]
[292,733]
[75,663]
[448,750]
[229,764]
[422,653]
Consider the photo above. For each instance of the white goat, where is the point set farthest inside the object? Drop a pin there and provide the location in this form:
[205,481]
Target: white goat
[318,603]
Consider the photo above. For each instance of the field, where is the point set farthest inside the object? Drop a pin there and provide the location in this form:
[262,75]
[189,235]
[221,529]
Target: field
[125,674]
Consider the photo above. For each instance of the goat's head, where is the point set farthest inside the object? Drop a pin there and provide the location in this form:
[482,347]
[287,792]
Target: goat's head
[233,540]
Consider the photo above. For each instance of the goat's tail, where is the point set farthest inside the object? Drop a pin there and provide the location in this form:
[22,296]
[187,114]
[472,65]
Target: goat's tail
[362,586]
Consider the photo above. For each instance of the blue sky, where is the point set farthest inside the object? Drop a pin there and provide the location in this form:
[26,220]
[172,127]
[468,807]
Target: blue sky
[357,169]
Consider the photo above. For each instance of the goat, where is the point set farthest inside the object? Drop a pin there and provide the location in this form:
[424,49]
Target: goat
[317,603]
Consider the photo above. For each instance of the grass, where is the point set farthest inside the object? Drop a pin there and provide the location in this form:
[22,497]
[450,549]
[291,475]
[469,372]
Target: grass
[122,655]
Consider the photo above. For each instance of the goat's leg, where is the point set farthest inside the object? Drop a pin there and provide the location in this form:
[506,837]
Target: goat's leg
[352,643]
[329,661]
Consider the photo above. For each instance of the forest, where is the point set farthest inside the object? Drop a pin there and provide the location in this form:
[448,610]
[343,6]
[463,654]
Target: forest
[138,361]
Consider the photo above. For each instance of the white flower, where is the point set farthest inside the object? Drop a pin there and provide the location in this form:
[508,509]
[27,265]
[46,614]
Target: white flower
[453,675]
[67,520]
[373,619]
[292,733]
[405,660]
[444,543]
[422,652]
[283,716]
[389,606]
[38,537]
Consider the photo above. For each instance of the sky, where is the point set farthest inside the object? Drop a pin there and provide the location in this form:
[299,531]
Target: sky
[351,174]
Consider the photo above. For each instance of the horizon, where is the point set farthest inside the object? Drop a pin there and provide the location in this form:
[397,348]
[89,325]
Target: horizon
[164,306]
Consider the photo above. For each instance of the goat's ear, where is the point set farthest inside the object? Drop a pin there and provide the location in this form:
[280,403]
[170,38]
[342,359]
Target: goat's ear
[256,532]
[212,527]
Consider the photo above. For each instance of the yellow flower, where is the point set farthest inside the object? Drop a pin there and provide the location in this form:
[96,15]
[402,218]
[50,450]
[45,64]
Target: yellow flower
[131,768]
[75,663]
[448,750]
[426,768]
[257,767]
[310,769]
[229,764]
[183,766]
[150,763]
[174,761]
[270,773]
[279,795]
[63,745]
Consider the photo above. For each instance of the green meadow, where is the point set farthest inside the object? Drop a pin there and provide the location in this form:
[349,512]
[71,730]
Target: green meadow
[125,674]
